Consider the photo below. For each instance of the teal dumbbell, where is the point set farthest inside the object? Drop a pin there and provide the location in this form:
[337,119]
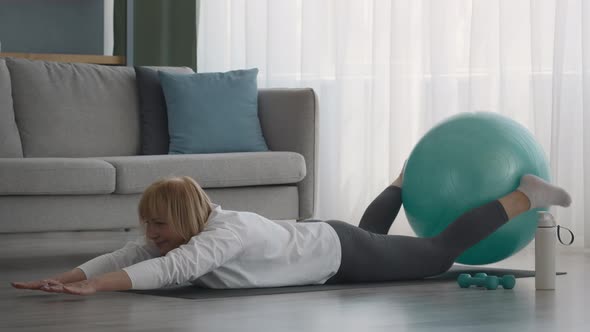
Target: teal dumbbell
[483,280]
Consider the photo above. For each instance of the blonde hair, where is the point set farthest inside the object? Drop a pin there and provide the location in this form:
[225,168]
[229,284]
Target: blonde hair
[180,201]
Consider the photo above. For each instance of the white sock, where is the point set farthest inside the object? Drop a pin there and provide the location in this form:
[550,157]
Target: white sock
[542,193]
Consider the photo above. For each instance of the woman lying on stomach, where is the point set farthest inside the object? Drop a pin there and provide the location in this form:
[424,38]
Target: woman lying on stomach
[187,238]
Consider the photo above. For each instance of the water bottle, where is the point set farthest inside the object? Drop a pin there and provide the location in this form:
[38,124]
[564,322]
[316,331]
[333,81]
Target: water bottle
[545,250]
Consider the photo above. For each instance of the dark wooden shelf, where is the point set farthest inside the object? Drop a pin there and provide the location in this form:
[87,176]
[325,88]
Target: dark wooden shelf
[80,58]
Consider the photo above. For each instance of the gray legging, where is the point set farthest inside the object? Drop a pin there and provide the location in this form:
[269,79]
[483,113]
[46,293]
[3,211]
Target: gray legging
[369,254]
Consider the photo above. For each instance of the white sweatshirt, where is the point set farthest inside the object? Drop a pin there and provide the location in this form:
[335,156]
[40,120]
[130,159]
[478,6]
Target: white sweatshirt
[235,250]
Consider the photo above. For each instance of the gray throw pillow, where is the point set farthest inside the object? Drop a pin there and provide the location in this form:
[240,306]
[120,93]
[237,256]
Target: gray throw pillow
[152,112]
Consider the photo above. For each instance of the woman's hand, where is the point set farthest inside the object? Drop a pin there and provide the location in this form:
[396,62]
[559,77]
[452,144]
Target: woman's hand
[35,284]
[112,281]
[63,278]
[84,287]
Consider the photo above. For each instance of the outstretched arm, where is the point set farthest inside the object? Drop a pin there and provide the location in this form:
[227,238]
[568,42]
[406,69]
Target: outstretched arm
[201,255]
[130,254]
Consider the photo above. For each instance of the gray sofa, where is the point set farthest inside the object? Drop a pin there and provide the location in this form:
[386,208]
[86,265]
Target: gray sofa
[70,151]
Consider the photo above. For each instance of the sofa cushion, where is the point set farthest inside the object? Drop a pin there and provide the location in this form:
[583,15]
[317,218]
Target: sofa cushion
[93,212]
[56,176]
[213,112]
[75,110]
[10,145]
[136,173]
[152,109]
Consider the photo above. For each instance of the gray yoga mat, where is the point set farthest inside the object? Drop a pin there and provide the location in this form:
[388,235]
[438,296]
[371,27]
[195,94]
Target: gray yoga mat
[195,292]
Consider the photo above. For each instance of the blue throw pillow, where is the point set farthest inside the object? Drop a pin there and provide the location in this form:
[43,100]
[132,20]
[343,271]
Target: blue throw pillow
[213,112]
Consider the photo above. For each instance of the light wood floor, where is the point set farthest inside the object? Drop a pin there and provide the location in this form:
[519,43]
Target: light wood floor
[430,307]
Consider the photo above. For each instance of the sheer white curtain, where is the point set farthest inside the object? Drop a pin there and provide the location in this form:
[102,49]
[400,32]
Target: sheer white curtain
[109,27]
[387,71]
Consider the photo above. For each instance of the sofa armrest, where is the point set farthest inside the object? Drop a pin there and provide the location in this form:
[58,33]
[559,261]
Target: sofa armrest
[289,121]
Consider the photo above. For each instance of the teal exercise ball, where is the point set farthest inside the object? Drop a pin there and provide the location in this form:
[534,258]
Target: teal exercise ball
[464,162]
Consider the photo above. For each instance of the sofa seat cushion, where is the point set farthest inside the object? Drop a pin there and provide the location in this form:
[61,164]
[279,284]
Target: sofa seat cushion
[217,170]
[56,176]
